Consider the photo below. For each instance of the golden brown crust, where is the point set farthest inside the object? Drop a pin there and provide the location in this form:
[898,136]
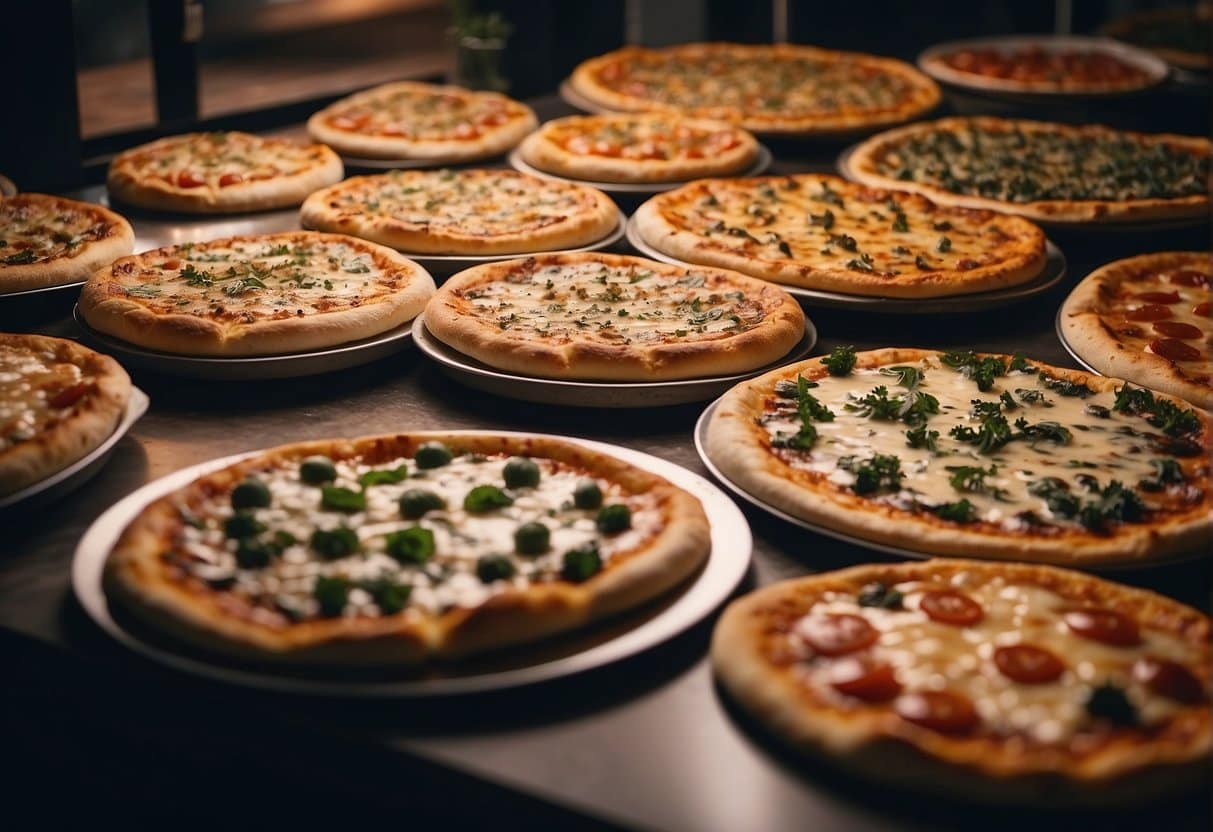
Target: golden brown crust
[109,238]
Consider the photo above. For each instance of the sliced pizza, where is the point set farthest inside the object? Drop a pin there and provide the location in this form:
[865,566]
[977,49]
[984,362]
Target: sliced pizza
[394,550]
[49,240]
[255,295]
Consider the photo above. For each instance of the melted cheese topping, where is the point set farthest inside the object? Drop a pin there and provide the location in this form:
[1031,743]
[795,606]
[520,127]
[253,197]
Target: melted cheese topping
[217,160]
[421,112]
[38,229]
[640,137]
[36,389]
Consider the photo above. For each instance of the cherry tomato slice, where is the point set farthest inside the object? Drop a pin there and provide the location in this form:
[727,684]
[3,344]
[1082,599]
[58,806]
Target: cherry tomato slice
[1169,679]
[1028,663]
[1100,624]
[1158,297]
[1148,312]
[864,680]
[836,634]
[1174,349]
[1188,277]
[171,265]
[939,710]
[949,607]
[463,130]
[229,179]
[188,179]
[1175,329]
[68,396]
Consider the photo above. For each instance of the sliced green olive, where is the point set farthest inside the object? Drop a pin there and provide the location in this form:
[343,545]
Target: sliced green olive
[433,455]
[581,564]
[334,543]
[317,469]
[416,502]
[521,472]
[494,568]
[242,524]
[532,539]
[250,493]
[332,593]
[587,494]
[614,518]
[252,553]
[411,545]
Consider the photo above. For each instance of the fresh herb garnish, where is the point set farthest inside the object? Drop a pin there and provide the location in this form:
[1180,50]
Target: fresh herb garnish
[840,361]
[1063,387]
[334,543]
[920,437]
[982,370]
[412,545]
[1166,472]
[1162,414]
[486,498]
[337,498]
[961,511]
[877,594]
[385,477]
[882,471]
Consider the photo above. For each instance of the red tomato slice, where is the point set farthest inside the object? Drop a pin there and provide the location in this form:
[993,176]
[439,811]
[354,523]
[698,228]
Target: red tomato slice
[229,179]
[949,607]
[939,710]
[836,634]
[68,396]
[1100,624]
[1169,679]
[864,680]
[189,179]
[1028,663]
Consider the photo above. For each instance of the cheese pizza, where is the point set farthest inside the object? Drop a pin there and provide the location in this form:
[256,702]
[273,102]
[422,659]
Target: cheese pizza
[58,402]
[616,318]
[412,120]
[49,240]
[771,88]
[1148,319]
[470,212]
[992,681]
[392,550]
[821,232]
[255,295]
[1040,170]
[639,148]
[220,173]
[972,454]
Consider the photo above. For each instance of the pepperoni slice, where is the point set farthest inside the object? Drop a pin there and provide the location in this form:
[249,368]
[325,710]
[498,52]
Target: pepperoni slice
[188,179]
[1188,277]
[171,264]
[864,680]
[838,633]
[939,710]
[1175,329]
[1148,312]
[68,396]
[1169,679]
[1158,297]
[1174,349]
[229,179]
[949,607]
[1028,663]
[1203,310]
[1100,624]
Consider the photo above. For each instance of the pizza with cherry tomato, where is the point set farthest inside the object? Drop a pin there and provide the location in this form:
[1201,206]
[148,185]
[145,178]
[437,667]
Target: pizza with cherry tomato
[641,147]
[58,402]
[410,120]
[220,173]
[995,681]
[49,240]
[1148,319]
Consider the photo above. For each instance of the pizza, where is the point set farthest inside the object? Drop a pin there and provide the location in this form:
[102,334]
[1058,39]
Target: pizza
[1148,319]
[220,173]
[964,453]
[1042,171]
[1178,35]
[412,120]
[468,211]
[821,232]
[996,681]
[394,550]
[613,318]
[639,148]
[255,295]
[49,240]
[771,88]
[58,402]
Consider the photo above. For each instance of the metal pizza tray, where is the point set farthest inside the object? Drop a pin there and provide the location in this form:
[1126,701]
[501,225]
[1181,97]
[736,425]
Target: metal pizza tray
[362,163]
[1052,274]
[610,641]
[43,291]
[635,189]
[600,394]
[1061,337]
[7,188]
[80,471]
[255,368]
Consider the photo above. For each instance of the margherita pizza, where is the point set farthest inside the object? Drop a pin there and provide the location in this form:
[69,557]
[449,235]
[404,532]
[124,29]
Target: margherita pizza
[821,232]
[773,88]
[995,681]
[221,173]
[240,296]
[971,454]
[1148,319]
[49,240]
[638,147]
[471,212]
[609,317]
[1040,170]
[412,120]
[58,402]
[393,550]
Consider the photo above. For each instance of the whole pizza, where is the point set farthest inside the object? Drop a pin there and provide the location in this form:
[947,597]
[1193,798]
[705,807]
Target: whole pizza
[398,549]
[772,88]
[255,295]
[997,681]
[220,173]
[1148,319]
[963,453]
[614,318]
[58,402]
[468,212]
[412,120]
[821,232]
[49,241]
[1041,170]
[639,148]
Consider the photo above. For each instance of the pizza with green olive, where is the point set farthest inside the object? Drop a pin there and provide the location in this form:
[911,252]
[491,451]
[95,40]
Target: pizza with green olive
[49,240]
[400,549]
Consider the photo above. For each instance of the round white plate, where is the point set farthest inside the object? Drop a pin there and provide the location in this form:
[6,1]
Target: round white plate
[79,472]
[612,394]
[639,189]
[1050,276]
[256,368]
[607,642]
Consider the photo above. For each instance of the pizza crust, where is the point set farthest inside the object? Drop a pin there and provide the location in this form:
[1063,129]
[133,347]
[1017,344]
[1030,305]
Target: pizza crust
[92,254]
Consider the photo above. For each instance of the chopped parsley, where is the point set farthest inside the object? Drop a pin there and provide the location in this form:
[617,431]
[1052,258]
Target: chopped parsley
[883,471]
[840,361]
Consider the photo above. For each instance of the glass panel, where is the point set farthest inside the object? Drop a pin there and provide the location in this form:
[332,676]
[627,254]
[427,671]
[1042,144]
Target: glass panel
[113,67]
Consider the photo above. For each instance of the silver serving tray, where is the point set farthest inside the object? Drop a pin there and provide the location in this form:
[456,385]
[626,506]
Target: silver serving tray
[607,642]
[43,291]
[360,163]
[82,470]
[255,368]
[602,394]
[1052,274]
[634,189]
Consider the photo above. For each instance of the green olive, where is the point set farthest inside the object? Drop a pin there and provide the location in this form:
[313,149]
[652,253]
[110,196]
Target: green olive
[532,539]
[243,524]
[613,519]
[252,553]
[494,568]
[433,455]
[317,469]
[251,493]
[416,502]
[521,472]
[581,564]
[587,494]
